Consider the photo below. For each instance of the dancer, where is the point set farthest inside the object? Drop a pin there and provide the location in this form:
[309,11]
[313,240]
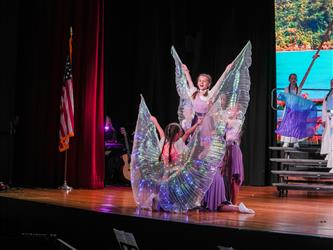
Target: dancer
[184,187]
[172,140]
[291,89]
[232,91]
[299,116]
[327,122]
[172,144]
[233,159]
[223,192]
[195,102]
[175,177]
[201,96]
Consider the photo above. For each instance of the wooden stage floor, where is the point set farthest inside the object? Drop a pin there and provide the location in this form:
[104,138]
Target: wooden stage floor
[301,213]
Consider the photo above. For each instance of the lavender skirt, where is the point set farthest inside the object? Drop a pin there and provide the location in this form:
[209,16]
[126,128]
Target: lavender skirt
[215,195]
[232,169]
[233,163]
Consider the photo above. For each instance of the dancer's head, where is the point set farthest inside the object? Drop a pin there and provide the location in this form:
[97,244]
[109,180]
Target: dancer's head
[173,132]
[292,79]
[204,81]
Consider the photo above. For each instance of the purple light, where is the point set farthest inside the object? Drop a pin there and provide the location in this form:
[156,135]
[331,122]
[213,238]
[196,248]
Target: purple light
[106,128]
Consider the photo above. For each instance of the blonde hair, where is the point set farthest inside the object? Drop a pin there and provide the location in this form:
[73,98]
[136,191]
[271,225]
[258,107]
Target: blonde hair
[207,76]
[210,83]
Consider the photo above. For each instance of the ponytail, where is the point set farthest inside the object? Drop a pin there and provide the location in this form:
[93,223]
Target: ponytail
[170,132]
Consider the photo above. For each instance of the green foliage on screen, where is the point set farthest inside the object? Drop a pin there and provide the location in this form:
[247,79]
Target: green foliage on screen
[300,24]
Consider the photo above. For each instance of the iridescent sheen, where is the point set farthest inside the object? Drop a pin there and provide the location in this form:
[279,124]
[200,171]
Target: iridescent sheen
[182,185]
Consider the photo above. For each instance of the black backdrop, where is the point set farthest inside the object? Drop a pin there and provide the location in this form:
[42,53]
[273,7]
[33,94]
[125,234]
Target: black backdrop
[207,36]
[8,52]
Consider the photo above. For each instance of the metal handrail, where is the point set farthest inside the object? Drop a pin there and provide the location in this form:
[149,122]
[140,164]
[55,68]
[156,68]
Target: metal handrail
[272,99]
[309,89]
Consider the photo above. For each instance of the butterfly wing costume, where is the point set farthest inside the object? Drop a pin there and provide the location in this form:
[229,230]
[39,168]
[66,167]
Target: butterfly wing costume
[182,185]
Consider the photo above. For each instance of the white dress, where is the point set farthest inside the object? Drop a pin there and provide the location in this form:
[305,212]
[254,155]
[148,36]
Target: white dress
[327,137]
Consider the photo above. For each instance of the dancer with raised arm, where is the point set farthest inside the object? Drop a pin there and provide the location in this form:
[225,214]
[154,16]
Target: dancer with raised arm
[232,90]
[177,184]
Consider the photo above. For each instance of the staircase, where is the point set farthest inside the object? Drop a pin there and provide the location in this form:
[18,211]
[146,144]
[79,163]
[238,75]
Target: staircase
[300,169]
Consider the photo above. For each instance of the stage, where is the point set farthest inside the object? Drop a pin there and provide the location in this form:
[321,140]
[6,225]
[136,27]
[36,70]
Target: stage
[85,219]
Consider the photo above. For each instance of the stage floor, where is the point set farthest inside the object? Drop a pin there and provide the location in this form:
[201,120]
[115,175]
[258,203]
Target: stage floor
[303,213]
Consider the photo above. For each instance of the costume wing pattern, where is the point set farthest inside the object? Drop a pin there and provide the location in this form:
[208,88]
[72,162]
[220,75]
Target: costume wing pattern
[179,186]
[182,185]
[234,84]
[146,169]
[185,107]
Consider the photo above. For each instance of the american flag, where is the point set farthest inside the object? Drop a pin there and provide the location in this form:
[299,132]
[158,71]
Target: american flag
[66,109]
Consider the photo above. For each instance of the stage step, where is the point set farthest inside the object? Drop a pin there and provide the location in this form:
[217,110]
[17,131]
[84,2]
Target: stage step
[302,149]
[307,174]
[303,186]
[290,161]
[301,168]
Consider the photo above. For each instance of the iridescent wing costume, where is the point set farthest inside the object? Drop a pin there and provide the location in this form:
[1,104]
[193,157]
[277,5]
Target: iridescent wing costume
[181,186]
[233,85]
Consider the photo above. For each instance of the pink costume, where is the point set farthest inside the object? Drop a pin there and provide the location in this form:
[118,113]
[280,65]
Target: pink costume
[176,150]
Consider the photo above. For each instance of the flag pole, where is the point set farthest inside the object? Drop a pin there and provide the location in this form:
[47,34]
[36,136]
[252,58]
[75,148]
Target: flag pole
[65,186]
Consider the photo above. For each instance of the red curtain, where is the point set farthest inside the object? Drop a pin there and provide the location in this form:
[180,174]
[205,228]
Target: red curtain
[86,154]
[42,46]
